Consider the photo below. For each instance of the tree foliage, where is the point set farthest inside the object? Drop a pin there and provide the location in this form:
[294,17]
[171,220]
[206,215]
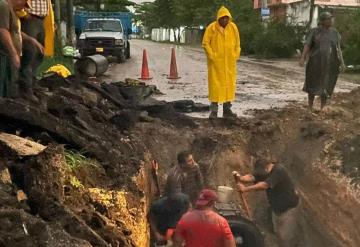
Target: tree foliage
[280,39]
[195,13]
[110,5]
[348,27]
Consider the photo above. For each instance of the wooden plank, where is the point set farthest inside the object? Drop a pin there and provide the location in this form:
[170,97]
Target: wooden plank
[14,145]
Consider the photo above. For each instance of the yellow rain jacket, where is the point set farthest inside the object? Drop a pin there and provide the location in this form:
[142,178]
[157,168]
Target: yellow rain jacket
[49,26]
[222,47]
[59,69]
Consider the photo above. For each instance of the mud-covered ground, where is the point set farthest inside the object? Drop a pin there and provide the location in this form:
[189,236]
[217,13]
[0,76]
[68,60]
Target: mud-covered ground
[90,185]
[261,84]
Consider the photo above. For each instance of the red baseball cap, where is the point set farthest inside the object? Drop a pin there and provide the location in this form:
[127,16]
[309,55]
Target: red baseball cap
[206,196]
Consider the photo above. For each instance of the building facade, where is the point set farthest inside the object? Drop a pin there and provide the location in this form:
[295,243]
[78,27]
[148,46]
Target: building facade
[299,10]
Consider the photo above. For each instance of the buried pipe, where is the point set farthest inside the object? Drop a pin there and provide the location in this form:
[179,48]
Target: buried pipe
[92,66]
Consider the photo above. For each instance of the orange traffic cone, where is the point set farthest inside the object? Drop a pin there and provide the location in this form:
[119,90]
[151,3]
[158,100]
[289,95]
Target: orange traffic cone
[145,75]
[173,67]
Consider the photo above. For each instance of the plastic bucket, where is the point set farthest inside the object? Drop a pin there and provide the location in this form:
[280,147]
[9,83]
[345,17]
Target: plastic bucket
[225,194]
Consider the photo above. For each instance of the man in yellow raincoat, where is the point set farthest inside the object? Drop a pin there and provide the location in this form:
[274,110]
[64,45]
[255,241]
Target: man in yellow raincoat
[222,45]
[37,22]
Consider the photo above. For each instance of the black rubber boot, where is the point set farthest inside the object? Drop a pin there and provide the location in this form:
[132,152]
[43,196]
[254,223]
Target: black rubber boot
[227,113]
[213,110]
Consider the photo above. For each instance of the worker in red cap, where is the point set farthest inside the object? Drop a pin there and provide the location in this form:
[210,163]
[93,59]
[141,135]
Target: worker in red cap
[202,226]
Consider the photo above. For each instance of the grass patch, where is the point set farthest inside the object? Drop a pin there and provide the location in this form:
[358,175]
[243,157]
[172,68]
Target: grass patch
[74,159]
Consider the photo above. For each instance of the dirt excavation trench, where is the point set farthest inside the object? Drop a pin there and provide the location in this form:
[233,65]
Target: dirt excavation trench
[75,170]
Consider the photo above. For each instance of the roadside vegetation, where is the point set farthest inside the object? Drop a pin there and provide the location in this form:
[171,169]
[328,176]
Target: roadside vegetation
[349,28]
[279,39]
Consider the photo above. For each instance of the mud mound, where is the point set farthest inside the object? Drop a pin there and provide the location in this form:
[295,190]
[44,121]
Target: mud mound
[90,185]
[98,192]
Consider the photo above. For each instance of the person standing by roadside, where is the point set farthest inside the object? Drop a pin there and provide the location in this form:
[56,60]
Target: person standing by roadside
[282,196]
[222,46]
[325,60]
[11,39]
[202,227]
[185,177]
[38,23]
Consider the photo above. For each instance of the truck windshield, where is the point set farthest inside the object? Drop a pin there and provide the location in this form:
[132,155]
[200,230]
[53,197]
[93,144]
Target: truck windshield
[103,25]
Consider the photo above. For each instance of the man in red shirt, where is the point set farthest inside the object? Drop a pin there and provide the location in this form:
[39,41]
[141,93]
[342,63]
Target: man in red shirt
[202,227]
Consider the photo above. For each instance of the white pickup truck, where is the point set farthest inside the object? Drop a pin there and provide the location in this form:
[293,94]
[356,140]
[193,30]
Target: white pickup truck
[105,36]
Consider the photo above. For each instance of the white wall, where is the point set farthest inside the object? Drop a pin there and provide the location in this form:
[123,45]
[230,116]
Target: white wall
[300,11]
[163,34]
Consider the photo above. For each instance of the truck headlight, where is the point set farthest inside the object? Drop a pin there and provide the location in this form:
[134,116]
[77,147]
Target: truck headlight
[119,42]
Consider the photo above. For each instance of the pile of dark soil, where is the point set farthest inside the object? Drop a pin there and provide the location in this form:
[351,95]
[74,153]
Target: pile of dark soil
[90,185]
[103,204]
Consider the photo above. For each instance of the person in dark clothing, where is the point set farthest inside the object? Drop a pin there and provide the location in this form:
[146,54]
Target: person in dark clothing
[322,48]
[185,177]
[165,213]
[282,197]
[33,25]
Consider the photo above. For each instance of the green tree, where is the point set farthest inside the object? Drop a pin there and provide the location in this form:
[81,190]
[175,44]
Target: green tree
[195,13]
[110,5]
[350,33]
[146,14]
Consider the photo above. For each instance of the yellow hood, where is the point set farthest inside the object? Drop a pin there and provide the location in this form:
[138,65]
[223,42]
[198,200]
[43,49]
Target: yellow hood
[223,12]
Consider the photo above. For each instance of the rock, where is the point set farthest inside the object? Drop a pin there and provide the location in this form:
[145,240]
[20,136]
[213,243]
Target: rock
[313,129]
[183,105]
[198,107]
[45,173]
[21,196]
[125,119]
[154,106]
[54,82]
[144,117]
[19,228]
[5,176]
[189,106]
[60,215]
[13,145]
[90,98]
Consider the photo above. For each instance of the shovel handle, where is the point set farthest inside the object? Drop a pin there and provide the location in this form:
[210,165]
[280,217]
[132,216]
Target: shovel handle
[154,171]
[242,196]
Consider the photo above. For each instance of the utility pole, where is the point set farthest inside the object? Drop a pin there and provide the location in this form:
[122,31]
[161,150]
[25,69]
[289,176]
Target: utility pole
[58,27]
[264,19]
[70,22]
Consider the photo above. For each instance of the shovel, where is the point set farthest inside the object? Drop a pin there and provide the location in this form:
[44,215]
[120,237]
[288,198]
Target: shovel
[154,172]
[242,196]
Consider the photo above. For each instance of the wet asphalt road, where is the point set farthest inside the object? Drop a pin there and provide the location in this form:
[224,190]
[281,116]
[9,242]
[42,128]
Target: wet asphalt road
[260,84]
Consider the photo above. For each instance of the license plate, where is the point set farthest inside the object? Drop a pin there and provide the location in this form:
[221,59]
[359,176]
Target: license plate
[99,49]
